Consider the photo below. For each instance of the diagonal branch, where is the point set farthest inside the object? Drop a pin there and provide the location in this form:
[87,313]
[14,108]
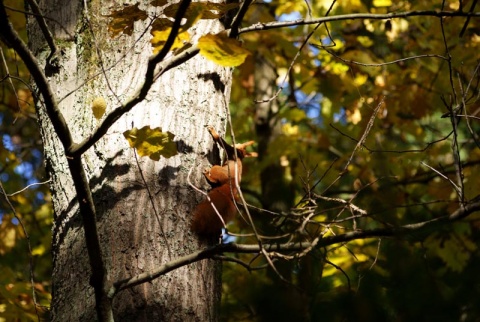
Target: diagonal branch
[11,39]
[239,17]
[43,26]
[139,96]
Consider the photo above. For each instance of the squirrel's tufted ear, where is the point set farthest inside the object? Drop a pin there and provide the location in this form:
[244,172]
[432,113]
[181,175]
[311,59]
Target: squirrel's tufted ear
[229,149]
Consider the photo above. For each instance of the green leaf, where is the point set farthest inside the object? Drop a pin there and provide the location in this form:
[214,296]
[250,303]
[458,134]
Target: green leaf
[152,142]
[222,50]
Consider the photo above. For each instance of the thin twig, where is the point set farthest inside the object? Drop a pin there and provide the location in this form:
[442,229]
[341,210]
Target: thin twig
[29,248]
[356,16]
[280,88]
[45,30]
[98,51]
[7,76]
[50,101]
[237,20]
[462,212]
[376,255]
[30,185]
[359,144]
[457,188]
[396,61]
[150,196]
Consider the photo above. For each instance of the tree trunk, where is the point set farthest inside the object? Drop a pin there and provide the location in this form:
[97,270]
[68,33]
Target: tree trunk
[143,208]
[277,193]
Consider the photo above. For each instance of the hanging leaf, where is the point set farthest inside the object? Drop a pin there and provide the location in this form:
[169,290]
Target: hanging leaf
[124,19]
[152,142]
[99,106]
[222,50]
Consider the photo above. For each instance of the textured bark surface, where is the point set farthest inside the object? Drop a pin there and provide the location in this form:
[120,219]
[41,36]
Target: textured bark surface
[136,231]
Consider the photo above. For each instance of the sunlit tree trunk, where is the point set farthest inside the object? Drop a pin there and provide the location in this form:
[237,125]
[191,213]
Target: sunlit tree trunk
[143,208]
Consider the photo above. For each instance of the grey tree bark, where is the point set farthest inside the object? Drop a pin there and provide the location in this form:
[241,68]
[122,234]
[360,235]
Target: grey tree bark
[143,208]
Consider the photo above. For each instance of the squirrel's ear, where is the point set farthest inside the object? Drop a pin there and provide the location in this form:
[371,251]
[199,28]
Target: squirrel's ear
[242,149]
[213,133]
[242,146]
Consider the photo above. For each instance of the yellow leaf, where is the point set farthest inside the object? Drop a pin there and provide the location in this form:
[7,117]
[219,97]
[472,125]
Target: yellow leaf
[365,41]
[7,237]
[160,37]
[327,109]
[39,250]
[222,50]
[99,106]
[152,142]
[360,79]
[289,129]
[382,3]
[354,117]
[289,6]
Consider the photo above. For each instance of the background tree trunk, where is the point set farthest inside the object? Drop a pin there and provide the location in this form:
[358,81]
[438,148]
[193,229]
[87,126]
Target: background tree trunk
[138,231]
[277,192]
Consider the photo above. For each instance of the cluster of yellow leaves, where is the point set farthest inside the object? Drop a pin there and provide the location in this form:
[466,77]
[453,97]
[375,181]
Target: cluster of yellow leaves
[217,48]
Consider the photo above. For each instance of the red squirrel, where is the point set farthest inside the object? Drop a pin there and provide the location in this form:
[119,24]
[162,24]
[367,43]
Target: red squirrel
[224,193]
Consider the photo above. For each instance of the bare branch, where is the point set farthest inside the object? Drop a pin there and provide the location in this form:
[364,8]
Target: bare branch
[213,251]
[7,76]
[150,196]
[357,16]
[29,248]
[239,17]
[30,185]
[11,39]
[360,142]
[295,59]
[396,61]
[472,7]
[46,32]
